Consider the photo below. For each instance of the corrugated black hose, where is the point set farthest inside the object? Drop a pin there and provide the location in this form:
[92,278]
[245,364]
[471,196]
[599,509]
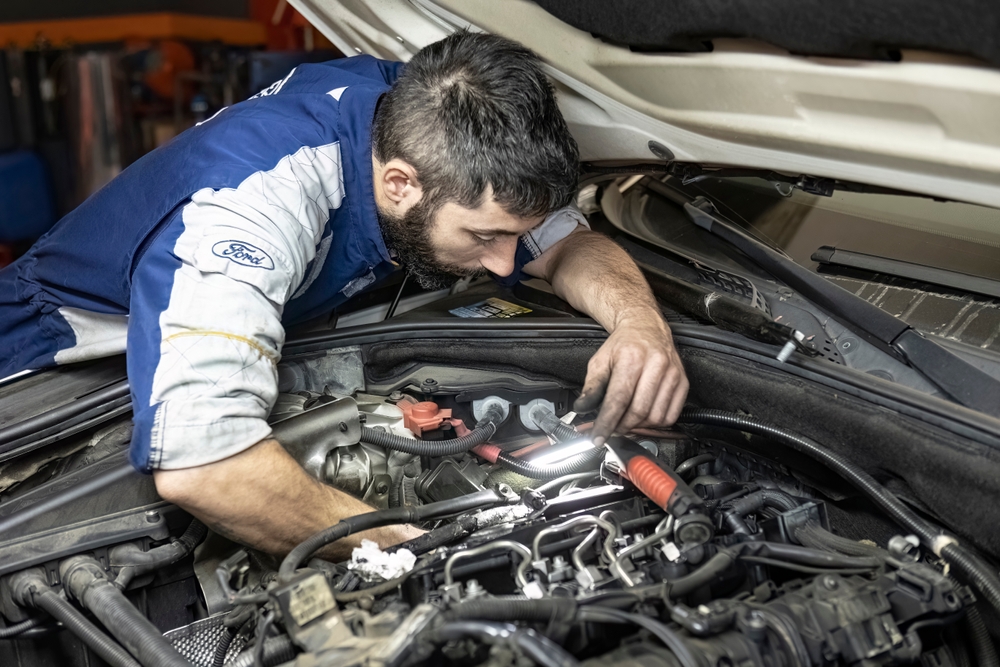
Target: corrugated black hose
[387,517]
[50,602]
[12,631]
[277,650]
[484,431]
[932,537]
[586,461]
[982,643]
[85,579]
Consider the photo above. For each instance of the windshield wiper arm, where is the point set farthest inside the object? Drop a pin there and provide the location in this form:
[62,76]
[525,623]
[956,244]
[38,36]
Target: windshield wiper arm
[956,377]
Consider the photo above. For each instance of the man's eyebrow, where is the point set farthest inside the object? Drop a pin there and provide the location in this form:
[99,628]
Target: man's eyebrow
[495,232]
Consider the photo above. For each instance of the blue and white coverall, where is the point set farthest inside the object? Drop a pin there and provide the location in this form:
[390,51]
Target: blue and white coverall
[195,258]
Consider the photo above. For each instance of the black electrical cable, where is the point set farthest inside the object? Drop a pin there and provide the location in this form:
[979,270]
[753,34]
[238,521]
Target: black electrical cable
[12,631]
[388,517]
[395,302]
[589,460]
[669,638]
[60,609]
[932,537]
[811,534]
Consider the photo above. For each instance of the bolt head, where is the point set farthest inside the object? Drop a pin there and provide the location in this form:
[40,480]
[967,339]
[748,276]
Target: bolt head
[152,516]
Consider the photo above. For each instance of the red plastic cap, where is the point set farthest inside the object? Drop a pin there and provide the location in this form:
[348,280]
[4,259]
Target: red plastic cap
[424,416]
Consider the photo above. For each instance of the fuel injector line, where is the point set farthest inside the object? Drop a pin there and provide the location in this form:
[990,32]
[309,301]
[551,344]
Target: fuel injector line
[971,567]
[379,518]
[483,431]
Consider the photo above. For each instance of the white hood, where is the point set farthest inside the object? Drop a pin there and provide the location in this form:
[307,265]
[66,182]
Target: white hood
[929,124]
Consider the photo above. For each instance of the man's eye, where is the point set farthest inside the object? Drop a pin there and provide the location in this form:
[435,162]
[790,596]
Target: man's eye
[484,240]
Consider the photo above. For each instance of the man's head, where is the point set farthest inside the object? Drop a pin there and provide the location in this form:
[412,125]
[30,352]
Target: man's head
[470,151]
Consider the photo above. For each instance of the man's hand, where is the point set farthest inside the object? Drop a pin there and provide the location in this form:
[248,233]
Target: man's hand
[636,378]
[262,498]
[637,374]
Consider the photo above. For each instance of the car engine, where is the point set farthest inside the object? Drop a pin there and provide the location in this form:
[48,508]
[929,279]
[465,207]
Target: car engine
[675,548]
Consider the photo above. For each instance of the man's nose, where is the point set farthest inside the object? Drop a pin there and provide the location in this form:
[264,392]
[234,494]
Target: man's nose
[499,258]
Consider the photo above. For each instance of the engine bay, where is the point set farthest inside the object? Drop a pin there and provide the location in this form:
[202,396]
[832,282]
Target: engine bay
[693,546]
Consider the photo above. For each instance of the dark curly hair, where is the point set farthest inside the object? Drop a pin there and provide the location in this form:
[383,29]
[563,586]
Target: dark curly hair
[475,111]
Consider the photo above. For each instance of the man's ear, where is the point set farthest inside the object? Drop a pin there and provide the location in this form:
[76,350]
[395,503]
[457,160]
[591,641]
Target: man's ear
[399,183]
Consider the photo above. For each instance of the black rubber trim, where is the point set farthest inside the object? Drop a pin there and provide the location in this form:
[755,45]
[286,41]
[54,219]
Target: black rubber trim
[61,415]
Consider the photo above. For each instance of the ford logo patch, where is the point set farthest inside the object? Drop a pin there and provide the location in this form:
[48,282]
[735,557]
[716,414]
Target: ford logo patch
[243,253]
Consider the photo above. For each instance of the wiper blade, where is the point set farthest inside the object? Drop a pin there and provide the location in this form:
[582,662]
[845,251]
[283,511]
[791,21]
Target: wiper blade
[963,282]
[956,377]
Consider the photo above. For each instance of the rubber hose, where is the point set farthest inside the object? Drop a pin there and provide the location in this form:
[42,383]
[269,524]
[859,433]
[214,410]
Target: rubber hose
[12,631]
[379,518]
[277,650]
[478,436]
[143,639]
[49,601]
[579,463]
[815,536]
[134,562]
[703,576]
[541,650]
[753,502]
[513,609]
[982,643]
[694,462]
[963,560]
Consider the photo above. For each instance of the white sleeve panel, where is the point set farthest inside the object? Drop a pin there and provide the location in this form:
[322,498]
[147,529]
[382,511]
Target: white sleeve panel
[557,225]
[243,253]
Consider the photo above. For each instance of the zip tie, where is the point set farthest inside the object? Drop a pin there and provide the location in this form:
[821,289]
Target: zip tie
[940,542]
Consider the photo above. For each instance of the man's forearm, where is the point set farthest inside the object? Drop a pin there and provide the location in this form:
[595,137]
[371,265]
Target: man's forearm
[597,277]
[264,499]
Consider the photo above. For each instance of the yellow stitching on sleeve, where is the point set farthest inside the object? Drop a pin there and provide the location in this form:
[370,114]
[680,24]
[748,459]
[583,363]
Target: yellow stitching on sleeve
[261,350]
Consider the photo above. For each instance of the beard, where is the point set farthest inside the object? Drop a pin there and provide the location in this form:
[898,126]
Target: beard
[409,238]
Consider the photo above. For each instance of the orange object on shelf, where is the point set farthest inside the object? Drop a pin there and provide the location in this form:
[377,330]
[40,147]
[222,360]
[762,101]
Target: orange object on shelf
[160,25]
[423,416]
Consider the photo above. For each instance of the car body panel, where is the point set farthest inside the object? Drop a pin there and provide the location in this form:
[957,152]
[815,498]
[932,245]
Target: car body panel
[926,124]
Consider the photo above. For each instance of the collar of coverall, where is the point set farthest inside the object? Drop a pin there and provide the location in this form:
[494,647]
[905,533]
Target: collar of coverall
[357,112]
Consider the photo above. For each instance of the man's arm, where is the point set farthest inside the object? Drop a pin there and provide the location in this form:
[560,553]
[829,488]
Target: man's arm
[637,373]
[262,497]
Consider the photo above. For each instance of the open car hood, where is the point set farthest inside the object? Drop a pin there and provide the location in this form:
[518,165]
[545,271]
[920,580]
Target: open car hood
[926,124]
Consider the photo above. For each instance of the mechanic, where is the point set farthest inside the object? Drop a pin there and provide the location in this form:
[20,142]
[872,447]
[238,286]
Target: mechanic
[280,208]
